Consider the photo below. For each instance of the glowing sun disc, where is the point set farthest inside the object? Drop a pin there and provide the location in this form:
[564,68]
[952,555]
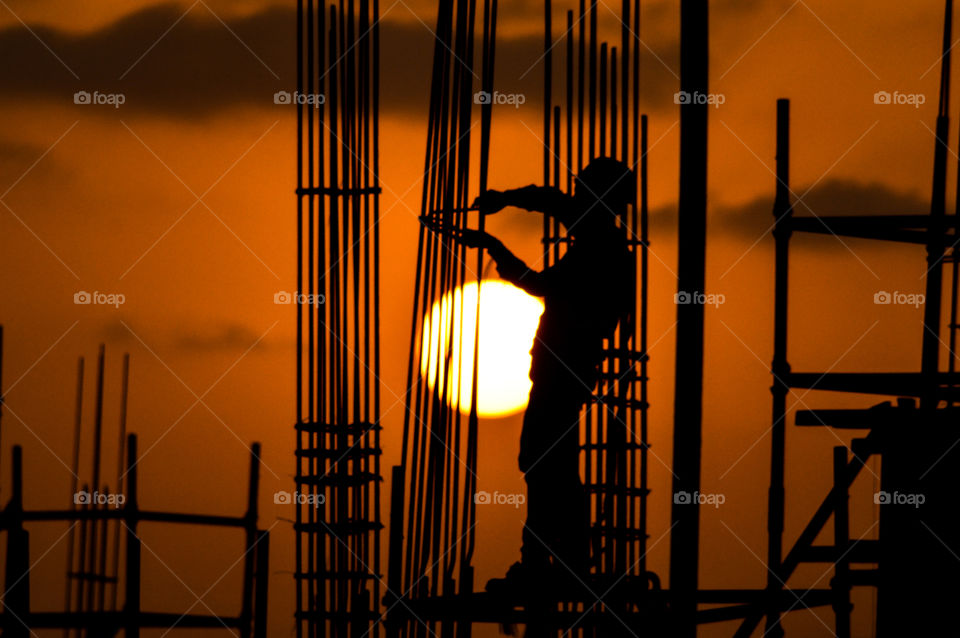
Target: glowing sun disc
[508,323]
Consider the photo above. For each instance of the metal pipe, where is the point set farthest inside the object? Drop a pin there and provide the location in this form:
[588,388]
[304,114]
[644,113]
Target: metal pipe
[780,367]
[74,486]
[121,448]
[688,389]
[131,602]
[298,548]
[930,350]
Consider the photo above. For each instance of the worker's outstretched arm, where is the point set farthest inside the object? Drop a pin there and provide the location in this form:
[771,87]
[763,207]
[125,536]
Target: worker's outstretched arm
[510,267]
[544,199]
[513,270]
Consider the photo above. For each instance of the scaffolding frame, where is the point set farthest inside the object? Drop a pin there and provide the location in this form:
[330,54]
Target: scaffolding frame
[926,402]
[100,532]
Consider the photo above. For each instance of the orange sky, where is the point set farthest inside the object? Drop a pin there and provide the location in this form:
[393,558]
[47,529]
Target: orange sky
[105,199]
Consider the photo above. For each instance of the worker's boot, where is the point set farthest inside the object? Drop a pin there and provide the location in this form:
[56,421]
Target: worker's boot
[519,583]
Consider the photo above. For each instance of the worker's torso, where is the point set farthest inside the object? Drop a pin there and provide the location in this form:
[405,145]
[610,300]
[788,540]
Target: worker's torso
[586,294]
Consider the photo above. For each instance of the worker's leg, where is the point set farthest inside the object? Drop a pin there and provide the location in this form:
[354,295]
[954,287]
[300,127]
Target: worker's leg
[566,505]
[535,552]
[557,517]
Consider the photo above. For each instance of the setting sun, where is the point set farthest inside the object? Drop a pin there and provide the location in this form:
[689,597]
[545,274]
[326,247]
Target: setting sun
[508,323]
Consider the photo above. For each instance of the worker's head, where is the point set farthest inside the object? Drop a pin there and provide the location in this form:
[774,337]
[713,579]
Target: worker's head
[604,188]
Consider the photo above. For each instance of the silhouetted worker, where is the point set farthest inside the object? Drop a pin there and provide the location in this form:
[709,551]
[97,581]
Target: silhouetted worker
[584,295]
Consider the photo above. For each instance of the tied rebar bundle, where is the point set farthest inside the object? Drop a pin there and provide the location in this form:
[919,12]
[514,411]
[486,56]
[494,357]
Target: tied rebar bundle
[338,308]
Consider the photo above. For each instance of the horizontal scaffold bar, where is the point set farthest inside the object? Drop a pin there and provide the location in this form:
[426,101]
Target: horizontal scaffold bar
[339,479]
[92,577]
[884,415]
[355,429]
[318,190]
[912,384]
[901,228]
[623,533]
[566,239]
[353,615]
[348,528]
[336,453]
[616,402]
[482,607]
[117,619]
[345,574]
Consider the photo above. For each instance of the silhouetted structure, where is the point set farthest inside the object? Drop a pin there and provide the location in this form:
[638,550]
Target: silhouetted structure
[583,303]
[613,428]
[338,319]
[691,280]
[433,510]
[916,438]
[104,549]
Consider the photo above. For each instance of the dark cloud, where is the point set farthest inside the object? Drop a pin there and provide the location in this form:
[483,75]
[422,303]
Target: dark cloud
[115,332]
[15,158]
[207,337]
[832,197]
[197,66]
[226,336]
[166,63]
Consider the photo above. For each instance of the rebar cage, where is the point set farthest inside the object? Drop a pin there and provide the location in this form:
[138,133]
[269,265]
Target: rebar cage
[337,306]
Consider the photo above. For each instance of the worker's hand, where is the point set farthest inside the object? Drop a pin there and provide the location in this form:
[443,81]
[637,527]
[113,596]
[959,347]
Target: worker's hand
[469,237]
[490,202]
[476,238]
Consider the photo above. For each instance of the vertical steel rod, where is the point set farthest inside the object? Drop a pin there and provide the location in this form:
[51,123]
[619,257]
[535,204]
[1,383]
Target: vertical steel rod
[688,389]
